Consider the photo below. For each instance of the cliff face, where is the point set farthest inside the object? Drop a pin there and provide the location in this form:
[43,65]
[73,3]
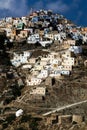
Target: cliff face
[4,58]
[2,39]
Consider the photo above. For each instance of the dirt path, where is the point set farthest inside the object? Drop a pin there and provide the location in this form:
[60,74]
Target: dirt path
[65,107]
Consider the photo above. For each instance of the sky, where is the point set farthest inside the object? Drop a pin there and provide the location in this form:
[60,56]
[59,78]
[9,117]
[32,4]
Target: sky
[74,10]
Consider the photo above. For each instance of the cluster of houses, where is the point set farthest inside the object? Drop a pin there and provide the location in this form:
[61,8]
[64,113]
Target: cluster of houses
[42,26]
[46,28]
[19,59]
[53,64]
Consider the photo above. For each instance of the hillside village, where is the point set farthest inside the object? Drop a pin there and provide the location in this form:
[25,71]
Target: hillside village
[43,65]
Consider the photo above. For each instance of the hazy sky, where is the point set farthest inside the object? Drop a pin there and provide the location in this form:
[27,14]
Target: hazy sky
[74,10]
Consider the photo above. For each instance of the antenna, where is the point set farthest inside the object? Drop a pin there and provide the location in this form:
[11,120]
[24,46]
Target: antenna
[31,11]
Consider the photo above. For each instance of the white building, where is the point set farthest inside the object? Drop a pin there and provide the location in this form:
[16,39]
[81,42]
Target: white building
[60,67]
[15,22]
[68,61]
[70,42]
[8,32]
[27,66]
[44,61]
[55,61]
[24,20]
[67,67]
[9,19]
[43,74]
[19,59]
[27,54]
[47,67]
[53,55]
[33,81]
[49,36]
[63,35]
[33,39]
[38,91]
[65,72]
[38,67]
[60,27]
[84,37]
[76,49]
[56,73]
[57,37]
[46,43]
[32,60]
[66,54]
